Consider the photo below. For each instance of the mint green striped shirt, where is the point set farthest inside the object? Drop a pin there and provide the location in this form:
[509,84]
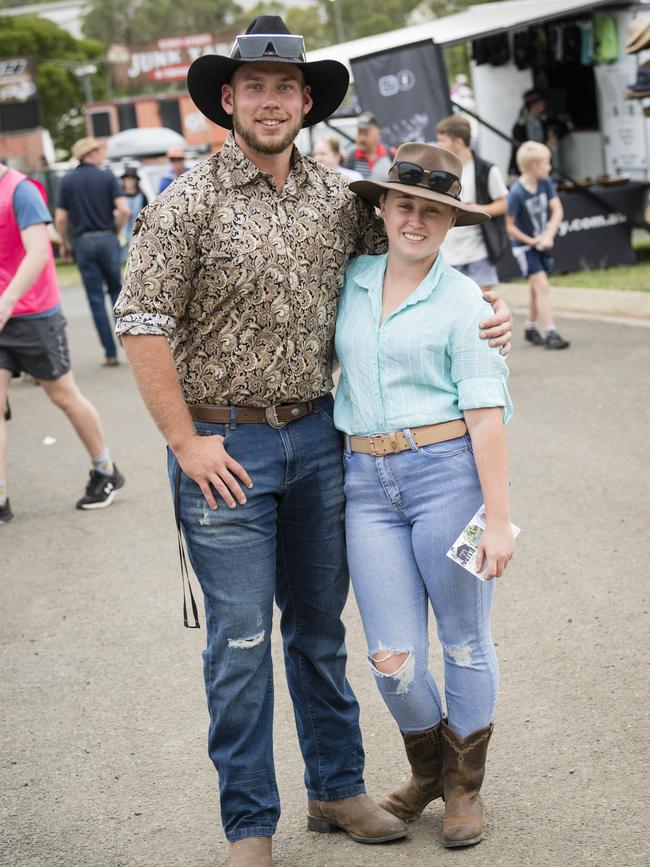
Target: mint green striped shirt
[425,364]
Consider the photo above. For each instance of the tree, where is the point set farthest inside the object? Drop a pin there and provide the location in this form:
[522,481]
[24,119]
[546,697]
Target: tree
[136,22]
[56,55]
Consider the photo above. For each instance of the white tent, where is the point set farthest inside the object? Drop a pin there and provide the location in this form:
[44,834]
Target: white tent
[482,20]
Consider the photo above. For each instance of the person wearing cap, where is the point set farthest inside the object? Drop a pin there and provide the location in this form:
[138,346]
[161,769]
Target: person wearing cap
[370,157]
[227,315]
[90,212]
[422,402]
[33,336]
[176,157]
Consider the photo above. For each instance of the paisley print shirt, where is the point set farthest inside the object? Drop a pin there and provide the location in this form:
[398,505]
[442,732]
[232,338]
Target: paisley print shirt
[245,281]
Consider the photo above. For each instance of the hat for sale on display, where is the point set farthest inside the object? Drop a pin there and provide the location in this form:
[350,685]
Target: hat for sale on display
[366,120]
[83,147]
[639,32]
[428,172]
[641,87]
[267,39]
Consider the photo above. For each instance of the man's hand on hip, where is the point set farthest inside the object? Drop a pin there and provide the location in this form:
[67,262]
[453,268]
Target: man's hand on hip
[498,328]
[205,460]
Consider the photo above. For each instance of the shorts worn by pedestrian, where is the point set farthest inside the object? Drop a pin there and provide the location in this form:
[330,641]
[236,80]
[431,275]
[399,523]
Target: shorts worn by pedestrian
[33,333]
[419,396]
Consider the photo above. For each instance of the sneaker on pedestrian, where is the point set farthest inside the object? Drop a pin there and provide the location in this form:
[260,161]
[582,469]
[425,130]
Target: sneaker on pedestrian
[111,361]
[5,513]
[554,341]
[101,489]
[533,336]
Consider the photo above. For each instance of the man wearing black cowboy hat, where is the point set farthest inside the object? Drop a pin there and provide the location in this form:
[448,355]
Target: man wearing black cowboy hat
[240,266]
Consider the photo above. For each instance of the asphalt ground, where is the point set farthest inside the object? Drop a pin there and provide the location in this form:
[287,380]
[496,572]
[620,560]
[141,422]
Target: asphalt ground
[103,722]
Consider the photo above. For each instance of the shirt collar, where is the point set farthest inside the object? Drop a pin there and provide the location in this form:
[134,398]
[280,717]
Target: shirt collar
[371,278]
[237,170]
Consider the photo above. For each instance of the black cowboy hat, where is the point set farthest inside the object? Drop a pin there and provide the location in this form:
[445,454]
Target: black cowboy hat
[328,79]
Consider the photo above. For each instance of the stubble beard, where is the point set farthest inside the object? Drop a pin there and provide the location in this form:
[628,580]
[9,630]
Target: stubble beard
[261,145]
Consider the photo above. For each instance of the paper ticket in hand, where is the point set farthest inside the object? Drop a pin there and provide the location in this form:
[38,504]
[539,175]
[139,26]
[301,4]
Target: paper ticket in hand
[463,551]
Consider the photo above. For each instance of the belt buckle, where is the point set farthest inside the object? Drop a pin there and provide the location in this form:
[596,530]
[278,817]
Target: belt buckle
[271,415]
[372,441]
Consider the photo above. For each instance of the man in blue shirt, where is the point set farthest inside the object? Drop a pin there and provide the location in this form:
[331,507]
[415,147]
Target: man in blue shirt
[176,157]
[90,211]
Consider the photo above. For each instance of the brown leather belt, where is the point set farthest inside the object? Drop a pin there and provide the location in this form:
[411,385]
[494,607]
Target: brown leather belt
[276,416]
[379,445]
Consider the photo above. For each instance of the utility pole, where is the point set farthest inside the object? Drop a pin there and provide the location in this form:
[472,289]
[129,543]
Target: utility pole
[338,21]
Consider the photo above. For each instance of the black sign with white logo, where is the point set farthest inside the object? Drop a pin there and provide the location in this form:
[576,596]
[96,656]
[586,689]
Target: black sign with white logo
[406,88]
[592,235]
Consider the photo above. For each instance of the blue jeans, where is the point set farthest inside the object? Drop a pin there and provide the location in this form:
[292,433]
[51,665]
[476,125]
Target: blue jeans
[97,255]
[403,512]
[286,543]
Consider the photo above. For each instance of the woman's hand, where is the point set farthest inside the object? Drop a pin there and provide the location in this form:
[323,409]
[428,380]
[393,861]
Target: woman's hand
[495,550]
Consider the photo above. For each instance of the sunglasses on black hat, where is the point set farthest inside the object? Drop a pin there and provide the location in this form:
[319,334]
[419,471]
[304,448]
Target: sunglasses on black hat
[438,181]
[255,46]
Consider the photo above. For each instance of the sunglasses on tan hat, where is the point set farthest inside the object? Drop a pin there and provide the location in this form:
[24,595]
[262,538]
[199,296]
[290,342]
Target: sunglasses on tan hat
[437,180]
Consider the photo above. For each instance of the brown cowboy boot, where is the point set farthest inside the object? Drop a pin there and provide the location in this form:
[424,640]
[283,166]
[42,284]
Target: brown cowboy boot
[463,768]
[363,820]
[250,852]
[423,751]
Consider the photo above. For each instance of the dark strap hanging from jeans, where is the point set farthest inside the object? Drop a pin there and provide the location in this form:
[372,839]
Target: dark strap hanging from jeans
[185,574]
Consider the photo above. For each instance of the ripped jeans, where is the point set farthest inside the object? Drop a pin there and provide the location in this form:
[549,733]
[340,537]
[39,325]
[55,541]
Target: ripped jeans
[403,512]
[285,545]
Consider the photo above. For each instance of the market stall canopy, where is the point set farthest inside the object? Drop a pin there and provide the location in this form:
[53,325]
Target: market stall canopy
[143,142]
[477,21]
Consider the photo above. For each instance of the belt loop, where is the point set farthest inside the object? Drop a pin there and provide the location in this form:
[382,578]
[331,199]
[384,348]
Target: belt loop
[346,443]
[233,418]
[409,439]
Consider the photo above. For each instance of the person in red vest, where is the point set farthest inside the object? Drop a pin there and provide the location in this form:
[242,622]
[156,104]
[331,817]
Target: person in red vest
[33,333]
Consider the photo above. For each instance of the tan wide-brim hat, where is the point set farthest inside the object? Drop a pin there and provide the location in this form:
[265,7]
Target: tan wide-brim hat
[639,32]
[83,147]
[429,158]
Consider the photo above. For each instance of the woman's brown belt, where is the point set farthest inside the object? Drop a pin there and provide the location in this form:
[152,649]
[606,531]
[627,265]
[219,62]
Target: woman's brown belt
[379,445]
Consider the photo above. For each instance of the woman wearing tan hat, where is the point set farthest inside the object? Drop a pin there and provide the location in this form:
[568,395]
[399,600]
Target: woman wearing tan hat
[423,401]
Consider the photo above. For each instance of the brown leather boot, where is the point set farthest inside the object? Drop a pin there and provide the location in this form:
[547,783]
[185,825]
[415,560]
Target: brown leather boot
[250,852]
[424,753]
[363,820]
[463,769]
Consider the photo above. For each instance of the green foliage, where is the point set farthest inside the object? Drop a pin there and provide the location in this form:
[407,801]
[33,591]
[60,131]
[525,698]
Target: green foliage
[54,52]
[136,22]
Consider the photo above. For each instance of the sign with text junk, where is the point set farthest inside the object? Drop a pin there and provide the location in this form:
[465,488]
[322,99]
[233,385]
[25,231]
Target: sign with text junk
[406,89]
[166,60]
[16,81]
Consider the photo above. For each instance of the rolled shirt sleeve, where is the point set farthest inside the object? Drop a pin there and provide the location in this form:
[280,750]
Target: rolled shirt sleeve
[478,370]
[157,286]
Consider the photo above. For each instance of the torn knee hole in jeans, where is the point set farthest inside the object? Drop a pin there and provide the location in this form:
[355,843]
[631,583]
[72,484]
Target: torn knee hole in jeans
[396,664]
[246,643]
[461,654]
